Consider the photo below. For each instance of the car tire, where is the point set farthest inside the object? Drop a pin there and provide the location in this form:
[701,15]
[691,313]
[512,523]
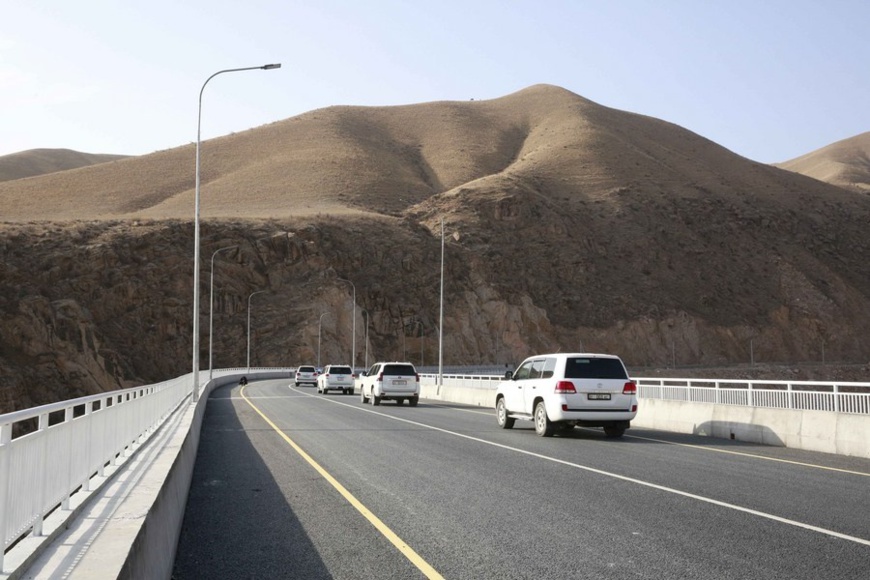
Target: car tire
[501,415]
[413,401]
[362,396]
[297,384]
[614,432]
[543,426]
[399,401]
[376,400]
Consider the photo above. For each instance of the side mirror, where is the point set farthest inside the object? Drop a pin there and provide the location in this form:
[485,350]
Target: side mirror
[508,375]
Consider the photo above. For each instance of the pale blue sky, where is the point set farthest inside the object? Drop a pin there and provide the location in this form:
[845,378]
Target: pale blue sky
[768,79]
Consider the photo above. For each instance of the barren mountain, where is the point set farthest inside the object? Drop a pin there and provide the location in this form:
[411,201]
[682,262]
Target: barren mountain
[845,163]
[569,226]
[41,161]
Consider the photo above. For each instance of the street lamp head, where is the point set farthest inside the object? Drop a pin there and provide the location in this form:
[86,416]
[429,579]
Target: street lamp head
[271,66]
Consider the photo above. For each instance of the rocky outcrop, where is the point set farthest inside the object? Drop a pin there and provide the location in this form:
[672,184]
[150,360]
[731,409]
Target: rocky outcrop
[95,306]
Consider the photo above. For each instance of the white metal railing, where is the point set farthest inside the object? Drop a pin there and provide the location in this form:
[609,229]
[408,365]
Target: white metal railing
[837,397]
[76,440]
[73,442]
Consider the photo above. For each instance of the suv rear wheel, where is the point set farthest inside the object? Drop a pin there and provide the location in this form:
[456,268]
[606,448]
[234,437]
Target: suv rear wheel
[376,400]
[413,401]
[614,432]
[362,396]
[543,426]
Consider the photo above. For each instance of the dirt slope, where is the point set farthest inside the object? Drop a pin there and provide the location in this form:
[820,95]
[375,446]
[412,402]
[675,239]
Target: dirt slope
[569,226]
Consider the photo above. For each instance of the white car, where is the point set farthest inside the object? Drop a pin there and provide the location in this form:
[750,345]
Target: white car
[565,390]
[306,375]
[336,378]
[396,381]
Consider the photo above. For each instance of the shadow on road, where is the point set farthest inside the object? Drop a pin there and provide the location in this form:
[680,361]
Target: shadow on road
[237,523]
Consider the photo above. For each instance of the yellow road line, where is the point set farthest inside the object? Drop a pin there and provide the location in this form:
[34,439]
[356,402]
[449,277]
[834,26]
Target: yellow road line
[394,539]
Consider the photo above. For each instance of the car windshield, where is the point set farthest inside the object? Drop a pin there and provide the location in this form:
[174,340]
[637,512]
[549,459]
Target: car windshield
[399,370]
[594,368]
[340,370]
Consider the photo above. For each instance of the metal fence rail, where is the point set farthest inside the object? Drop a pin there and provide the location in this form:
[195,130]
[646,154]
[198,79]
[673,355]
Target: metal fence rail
[853,398]
[73,442]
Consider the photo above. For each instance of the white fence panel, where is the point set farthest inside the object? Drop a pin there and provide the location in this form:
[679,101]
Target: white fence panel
[40,470]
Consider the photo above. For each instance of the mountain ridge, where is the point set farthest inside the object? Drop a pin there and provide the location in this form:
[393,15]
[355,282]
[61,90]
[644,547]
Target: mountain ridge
[569,226]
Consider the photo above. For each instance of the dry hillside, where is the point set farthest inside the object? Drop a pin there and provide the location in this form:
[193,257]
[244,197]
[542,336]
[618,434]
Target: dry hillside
[845,163]
[569,226]
[41,161]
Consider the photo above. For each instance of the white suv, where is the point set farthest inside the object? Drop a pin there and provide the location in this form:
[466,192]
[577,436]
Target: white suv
[335,378]
[395,381]
[306,374]
[565,390]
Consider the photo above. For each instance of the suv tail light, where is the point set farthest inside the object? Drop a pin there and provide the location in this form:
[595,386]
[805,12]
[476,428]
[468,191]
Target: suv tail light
[565,388]
[630,388]
[418,377]
[380,377]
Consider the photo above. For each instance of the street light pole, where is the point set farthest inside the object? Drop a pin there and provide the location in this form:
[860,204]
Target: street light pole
[211,309]
[249,325]
[366,339]
[195,387]
[319,326]
[441,321]
[353,331]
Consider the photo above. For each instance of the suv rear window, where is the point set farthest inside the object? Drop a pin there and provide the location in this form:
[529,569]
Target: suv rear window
[594,368]
[305,370]
[399,370]
[340,370]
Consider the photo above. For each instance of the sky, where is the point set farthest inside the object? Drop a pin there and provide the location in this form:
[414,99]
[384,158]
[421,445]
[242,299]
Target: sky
[768,79]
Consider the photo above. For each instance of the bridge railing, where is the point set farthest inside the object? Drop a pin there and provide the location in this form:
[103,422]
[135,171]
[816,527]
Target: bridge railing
[73,442]
[837,397]
[52,453]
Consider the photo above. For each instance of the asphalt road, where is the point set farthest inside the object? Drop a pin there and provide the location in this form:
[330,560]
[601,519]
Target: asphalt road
[292,484]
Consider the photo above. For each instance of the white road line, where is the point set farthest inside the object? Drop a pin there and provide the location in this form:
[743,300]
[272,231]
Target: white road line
[751,455]
[666,489]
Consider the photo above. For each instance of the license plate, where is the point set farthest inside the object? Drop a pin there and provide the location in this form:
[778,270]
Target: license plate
[599,396]
[400,382]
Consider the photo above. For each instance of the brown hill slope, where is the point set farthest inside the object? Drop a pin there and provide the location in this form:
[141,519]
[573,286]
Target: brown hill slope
[41,161]
[570,226]
[845,163]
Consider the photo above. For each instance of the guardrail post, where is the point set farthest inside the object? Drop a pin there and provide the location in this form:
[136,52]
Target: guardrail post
[5,438]
[67,418]
[749,394]
[836,399]
[40,492]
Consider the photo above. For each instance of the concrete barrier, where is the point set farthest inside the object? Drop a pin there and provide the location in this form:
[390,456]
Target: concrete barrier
[823,431]
[476,396]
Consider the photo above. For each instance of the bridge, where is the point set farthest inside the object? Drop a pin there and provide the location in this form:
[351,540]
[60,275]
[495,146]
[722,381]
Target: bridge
[290,483]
